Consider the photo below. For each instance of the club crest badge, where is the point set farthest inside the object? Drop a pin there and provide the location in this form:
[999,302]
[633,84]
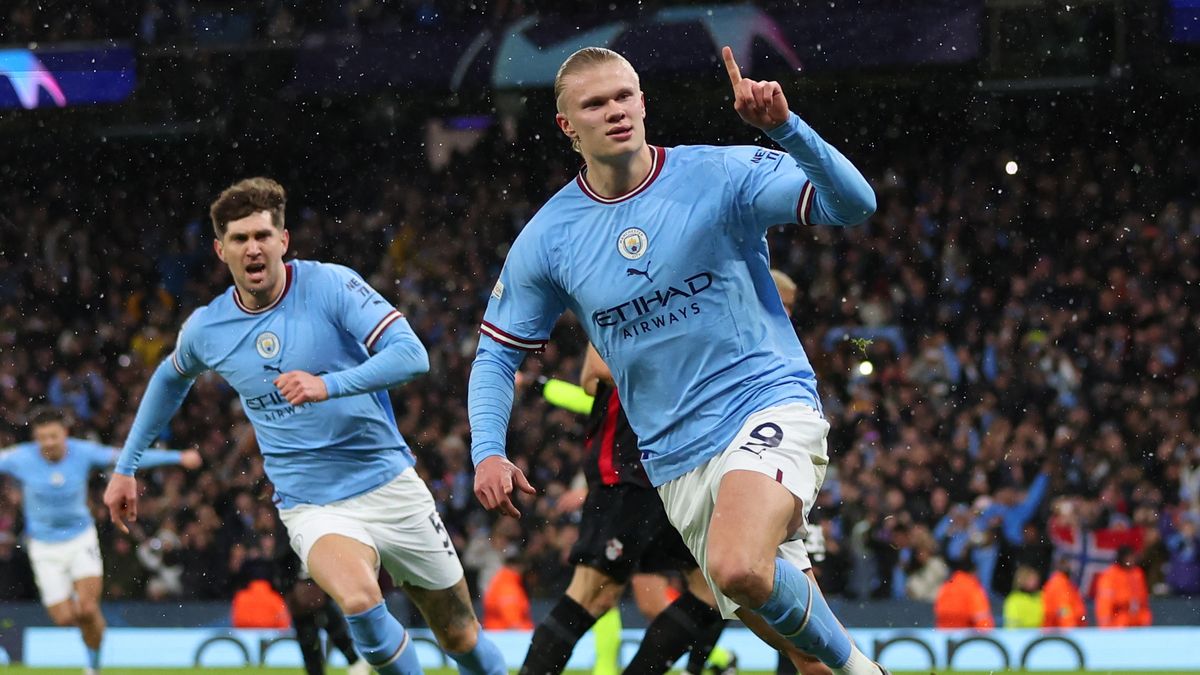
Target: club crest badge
[267,345]
[614,549]
[632,243]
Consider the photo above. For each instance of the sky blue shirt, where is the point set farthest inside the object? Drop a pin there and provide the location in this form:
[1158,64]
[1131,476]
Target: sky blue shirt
[55,493]
[327,322]
[671,282]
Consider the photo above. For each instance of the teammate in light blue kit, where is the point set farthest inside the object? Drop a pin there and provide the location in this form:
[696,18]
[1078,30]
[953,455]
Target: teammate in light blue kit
[311,349]
[662,254]
[60,535]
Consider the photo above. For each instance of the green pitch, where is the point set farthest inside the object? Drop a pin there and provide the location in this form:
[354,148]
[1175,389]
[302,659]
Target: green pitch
[20,670]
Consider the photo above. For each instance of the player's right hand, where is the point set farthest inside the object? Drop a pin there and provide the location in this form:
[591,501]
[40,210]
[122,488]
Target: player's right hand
[495,478]
[121,500]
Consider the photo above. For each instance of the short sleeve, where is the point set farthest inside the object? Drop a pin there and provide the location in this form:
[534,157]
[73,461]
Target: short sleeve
[770,188]
[525,302]
[187,357]
[357,307]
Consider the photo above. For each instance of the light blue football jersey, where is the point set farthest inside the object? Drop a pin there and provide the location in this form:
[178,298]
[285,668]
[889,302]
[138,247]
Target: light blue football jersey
[55,493]
[326,320]
[671,282]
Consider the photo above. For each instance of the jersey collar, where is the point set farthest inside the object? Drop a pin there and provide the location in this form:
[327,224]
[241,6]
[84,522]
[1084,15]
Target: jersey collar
[658,157]
[287,285]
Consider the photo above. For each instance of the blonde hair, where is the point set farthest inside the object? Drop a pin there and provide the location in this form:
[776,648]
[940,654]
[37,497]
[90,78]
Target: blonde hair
[581,60]
[783,282]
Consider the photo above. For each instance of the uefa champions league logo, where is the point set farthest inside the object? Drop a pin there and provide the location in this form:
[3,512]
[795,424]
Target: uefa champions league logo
[29,77]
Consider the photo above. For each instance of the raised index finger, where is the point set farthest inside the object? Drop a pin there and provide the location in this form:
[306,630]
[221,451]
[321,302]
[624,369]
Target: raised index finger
[731,66]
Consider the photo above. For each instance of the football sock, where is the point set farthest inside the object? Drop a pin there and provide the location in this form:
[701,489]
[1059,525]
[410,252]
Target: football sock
[555,638]
[93,657]
[308,636]
[683,624]
[383,642]
[705,649]
[607,632]
[484,659]
[785,667]
[799,612]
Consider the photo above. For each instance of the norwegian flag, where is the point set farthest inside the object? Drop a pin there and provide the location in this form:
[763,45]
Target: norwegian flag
[1091,551]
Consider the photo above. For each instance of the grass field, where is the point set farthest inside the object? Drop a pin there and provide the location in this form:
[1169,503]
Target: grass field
[19,670]
[22,670]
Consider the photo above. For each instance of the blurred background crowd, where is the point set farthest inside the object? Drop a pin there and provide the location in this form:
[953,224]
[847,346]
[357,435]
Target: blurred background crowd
[1001,350]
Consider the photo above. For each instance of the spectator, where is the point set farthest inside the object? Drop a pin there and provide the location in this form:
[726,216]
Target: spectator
[162,558]
[927,571]
[1183,569]
[124,578]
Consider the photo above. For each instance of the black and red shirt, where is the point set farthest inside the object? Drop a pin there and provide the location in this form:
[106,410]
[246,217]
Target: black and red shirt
[612,456]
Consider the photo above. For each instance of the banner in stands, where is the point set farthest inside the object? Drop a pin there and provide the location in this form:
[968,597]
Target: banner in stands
[1132,649]
[670,40]
[62,77]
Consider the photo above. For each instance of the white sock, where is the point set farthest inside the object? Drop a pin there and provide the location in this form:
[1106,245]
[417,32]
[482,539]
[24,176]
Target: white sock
[857,664]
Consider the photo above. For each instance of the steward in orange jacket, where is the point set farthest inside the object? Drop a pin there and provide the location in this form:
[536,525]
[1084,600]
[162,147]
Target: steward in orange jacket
[962,603]
[258,605]
[1063,604]
[505,602]
[1121,595]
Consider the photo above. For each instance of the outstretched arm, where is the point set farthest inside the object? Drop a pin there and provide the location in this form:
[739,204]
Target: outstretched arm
[489,404]
[164,394]
[106,455]
[837,193]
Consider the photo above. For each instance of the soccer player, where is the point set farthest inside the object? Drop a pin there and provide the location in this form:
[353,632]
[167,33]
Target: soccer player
[623,529]
[661,253]
[63,549]
[311,350]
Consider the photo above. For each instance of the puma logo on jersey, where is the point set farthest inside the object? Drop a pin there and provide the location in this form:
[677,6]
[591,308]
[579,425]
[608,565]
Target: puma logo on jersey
[635,272]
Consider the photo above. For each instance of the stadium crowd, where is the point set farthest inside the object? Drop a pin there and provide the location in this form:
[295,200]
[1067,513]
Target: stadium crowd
[1026,333]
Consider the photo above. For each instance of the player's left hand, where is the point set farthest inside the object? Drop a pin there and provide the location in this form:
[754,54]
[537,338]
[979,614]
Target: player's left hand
[761,104]
[299,387]
[190,459]
[495,479]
